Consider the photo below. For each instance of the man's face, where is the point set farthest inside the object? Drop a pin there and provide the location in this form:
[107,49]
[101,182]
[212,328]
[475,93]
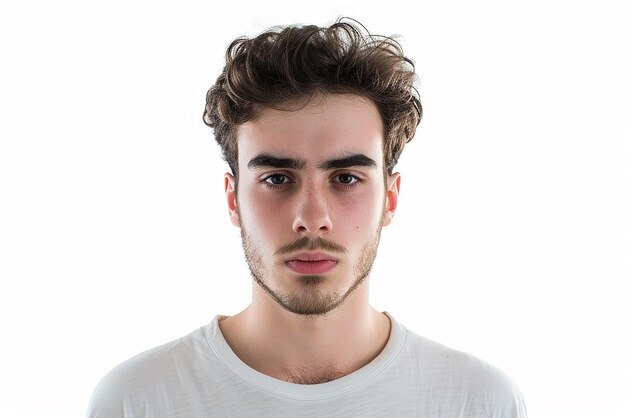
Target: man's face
[311,199]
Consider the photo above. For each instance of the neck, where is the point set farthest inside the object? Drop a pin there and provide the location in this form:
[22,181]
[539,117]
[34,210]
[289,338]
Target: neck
[307,349]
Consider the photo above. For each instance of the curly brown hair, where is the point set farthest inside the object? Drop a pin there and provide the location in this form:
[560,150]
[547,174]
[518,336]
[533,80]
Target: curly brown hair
[288,65]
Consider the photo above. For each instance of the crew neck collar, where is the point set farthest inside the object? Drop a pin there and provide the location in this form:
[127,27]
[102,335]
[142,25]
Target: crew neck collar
[295,391]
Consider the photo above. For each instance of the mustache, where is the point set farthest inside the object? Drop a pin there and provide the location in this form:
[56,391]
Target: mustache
[306,243]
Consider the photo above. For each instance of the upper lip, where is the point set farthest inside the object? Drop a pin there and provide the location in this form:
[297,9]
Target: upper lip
[318,256]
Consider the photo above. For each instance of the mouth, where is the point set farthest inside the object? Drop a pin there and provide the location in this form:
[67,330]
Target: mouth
[311,263]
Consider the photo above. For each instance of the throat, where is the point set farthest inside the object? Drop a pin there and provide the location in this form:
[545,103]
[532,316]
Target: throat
[307,376]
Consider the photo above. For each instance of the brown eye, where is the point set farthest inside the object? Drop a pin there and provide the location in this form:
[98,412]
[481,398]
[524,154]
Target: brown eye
[276,179]
[346,178]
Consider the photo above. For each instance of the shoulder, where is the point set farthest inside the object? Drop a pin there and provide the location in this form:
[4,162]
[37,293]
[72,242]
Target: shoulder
[464,381]
[146,376]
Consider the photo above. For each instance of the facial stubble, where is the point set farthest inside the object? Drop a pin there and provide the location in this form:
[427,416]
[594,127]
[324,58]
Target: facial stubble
[310,299]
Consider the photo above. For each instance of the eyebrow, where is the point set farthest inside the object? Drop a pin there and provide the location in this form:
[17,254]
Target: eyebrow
[353,160]
[267,160]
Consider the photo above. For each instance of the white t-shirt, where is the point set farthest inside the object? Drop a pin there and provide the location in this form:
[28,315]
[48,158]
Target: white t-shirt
[200,376]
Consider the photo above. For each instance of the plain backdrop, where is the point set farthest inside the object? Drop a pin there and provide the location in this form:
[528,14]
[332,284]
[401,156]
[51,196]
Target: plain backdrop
[509,240]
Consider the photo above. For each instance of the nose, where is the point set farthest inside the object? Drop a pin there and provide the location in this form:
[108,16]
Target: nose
[312,213]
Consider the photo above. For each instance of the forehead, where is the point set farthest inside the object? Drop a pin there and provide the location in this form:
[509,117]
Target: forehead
[328,125]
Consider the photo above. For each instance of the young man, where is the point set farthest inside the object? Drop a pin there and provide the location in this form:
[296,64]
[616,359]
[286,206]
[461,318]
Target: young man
[311,122]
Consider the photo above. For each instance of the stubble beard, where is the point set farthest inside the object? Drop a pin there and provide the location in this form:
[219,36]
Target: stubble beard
[310,299]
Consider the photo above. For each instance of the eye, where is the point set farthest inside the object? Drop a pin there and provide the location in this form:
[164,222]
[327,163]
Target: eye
[346,179]
[276,179]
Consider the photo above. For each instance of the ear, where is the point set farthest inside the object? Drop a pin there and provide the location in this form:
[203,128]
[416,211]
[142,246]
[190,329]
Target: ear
[391,199]
[231,198]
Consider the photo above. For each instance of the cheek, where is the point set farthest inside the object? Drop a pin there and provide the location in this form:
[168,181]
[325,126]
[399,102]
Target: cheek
[360,213]
[268,207]
[262,217]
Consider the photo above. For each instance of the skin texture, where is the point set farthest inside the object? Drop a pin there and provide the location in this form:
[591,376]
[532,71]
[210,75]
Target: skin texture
[312,185]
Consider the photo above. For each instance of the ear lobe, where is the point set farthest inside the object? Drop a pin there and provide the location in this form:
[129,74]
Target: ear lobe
[231,198]
[391,199]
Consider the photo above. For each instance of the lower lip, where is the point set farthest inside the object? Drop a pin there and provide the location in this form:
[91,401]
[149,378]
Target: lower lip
[311,267]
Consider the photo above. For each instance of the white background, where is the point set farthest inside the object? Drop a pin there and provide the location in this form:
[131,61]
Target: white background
[509,241]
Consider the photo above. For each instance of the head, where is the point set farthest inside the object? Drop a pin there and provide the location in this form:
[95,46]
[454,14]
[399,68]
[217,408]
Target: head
[311,122]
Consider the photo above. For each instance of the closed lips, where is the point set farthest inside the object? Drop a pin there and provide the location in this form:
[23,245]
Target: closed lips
[311,263]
